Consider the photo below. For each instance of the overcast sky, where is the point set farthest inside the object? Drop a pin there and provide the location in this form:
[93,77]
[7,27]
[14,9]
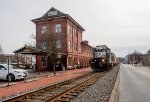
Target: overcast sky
[122,25]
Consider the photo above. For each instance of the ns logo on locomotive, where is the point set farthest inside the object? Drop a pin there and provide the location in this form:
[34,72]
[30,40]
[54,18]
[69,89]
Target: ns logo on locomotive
[103,58]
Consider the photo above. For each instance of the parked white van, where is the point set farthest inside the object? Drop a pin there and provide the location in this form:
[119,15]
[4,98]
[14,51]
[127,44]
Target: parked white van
[13,74]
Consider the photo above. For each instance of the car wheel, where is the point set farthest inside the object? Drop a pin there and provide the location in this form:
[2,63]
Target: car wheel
[10,77]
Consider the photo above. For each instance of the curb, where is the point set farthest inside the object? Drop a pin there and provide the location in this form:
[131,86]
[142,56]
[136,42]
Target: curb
[37,78]
[30,80]
[6,84]
[115,92]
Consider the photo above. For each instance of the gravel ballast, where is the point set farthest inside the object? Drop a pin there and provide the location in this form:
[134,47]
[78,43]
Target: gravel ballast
[101,90]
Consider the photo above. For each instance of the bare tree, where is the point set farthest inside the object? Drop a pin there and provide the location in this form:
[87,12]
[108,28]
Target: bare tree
[2,57]
[33,36]
[1,50]
[32,43]
[51,49]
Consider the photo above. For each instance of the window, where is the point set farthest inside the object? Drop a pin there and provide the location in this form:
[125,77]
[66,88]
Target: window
[52,13]
[69,44]
[2,67]
[58,28]
[44,61]
[43,29]
[68,29]
[58,44]
[70,61]
[75,46]
[43,45]
[75,33]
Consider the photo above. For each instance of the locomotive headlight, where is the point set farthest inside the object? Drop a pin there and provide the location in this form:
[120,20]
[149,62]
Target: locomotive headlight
[103,60]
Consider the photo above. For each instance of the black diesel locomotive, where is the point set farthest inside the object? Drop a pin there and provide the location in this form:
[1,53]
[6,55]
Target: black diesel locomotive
[103,58]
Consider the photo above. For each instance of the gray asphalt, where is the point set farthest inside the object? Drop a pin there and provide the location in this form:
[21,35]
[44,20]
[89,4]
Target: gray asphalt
[134,84]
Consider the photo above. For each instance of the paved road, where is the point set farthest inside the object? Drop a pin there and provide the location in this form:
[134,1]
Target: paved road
[134,84]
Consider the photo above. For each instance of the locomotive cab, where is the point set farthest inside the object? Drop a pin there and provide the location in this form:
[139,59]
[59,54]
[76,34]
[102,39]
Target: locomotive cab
[102,58]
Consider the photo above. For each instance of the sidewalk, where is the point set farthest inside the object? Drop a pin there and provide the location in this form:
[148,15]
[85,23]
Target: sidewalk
[31,76]
[35,74]
[22,87]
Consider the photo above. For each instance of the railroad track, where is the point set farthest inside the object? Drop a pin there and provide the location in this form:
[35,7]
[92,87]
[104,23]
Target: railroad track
[61,92]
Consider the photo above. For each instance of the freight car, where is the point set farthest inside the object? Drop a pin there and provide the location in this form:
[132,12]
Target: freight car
[103,58]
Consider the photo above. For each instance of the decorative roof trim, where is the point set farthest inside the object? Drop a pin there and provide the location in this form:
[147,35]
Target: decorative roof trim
[70,18]
[50,10]
[22,50]
[57,16]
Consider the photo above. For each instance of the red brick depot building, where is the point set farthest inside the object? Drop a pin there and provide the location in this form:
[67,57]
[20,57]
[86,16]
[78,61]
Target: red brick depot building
[72,50]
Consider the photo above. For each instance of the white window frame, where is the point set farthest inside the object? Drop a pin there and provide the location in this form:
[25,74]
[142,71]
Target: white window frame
[68,29]
[58,44]
[58,28]
[43,45]
[69,44]
[43,29]
[52,13]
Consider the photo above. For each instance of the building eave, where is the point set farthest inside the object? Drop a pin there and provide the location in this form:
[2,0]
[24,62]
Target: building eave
[71,19]
[44,19]
[55,17]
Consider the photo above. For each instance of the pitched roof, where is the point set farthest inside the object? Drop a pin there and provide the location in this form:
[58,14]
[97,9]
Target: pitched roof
[53,13]
[28,50]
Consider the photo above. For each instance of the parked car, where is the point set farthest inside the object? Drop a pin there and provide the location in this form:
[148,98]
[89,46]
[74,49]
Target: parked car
[13,74]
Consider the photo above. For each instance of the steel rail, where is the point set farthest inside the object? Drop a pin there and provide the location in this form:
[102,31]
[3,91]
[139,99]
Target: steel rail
[27,95]
[75,89]
[59,92]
